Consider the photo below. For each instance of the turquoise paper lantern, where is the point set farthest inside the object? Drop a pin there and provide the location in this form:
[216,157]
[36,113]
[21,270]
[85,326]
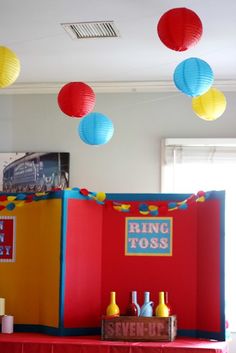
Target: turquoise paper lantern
[193,77]
[95,129]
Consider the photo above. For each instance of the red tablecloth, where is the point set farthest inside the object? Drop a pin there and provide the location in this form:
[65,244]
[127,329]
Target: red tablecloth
[39,343]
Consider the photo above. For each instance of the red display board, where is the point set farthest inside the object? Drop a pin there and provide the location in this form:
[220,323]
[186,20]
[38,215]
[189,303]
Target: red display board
[82,266]
[193,273]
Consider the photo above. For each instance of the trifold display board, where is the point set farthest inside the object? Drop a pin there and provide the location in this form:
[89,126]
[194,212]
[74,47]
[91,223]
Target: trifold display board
[62,256]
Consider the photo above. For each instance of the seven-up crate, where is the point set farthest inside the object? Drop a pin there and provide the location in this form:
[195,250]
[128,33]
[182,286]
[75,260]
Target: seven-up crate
[131,328]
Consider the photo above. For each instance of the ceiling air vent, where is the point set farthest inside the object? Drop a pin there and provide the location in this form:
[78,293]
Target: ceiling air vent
[81,30]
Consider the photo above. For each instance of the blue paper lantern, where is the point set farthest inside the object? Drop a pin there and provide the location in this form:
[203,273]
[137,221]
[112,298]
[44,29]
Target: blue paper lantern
[193,77]
[95,129]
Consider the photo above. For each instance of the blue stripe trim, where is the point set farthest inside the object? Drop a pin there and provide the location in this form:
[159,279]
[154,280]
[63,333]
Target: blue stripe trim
[58,331]
[146,197]
[158,197]
[187,333]
[75,194]
[97,331]
[81,331]
[201,334]
[221,196]
[63,260]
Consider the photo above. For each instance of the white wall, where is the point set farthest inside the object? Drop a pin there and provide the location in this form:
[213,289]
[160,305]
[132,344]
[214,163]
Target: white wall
[232,344]
[130,162]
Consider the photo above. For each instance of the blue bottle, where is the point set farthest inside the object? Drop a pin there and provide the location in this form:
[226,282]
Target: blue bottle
[147,307]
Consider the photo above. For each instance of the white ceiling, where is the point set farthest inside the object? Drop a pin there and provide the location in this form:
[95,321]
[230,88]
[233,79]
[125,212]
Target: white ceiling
[48,55]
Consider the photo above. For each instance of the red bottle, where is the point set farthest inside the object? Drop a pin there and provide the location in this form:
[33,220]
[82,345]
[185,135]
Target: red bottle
[167,302]
[131,309]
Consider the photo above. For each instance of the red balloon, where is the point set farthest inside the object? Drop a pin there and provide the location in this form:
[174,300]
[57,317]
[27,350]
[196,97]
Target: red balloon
[179,29]
[3,198]
[76,99]
[84,192]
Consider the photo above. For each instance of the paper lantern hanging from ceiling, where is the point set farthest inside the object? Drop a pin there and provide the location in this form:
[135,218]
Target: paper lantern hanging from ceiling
[179,29]
[76,99]
[209,106]
[193,77]
[9,67]
[95,129]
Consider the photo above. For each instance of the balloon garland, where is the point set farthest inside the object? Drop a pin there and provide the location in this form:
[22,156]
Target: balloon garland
[10,202]
[162,207]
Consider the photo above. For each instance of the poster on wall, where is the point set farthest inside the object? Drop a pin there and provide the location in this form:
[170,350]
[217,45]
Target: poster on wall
[148,236]
[34,171]
[7,239]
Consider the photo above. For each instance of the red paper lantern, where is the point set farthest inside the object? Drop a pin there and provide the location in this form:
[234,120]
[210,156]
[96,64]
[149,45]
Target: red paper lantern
[76,99]
[179,29]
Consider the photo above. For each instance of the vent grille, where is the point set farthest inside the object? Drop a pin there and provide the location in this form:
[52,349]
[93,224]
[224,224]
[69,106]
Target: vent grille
[82,30]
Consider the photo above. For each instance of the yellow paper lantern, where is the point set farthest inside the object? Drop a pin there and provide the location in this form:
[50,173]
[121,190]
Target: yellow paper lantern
[210,105]
[9,67]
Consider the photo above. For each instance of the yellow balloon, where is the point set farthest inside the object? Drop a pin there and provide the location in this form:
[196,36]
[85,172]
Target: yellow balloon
[144,212]
[20,204]
[201,199]
[125,207]
[11,198]
[9,67]
[40,193]
[209,106]
[100,196]
[152,208]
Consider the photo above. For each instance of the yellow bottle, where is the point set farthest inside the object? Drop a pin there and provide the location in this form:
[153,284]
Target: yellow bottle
[162,309]
[113,309]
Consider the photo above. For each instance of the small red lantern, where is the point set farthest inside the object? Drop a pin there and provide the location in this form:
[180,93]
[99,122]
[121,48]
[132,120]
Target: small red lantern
[179,29]
[76,99]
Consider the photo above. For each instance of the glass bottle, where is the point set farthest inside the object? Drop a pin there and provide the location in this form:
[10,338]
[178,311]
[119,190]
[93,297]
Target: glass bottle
[112,308]
[167,301]
[135,300]
[147,307]
[162,309]
[132,308]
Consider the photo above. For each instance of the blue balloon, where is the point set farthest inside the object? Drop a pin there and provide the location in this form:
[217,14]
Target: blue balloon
[21,197]
[184,206]
[172,204]
[10,206]
[193,77]
[143,207]
[95,129]
[76,189]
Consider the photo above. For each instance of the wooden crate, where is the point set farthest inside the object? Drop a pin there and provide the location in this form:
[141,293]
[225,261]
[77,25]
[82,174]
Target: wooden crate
[132,328]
